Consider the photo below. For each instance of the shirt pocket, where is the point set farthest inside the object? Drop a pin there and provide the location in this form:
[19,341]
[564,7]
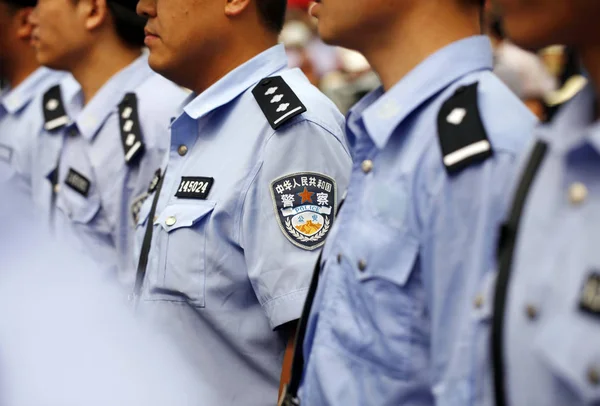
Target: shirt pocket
[182,260]
[81,210]
[390,302]
[569,345]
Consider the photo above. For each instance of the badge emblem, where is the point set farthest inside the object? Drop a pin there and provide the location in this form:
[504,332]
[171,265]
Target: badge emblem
[305,207]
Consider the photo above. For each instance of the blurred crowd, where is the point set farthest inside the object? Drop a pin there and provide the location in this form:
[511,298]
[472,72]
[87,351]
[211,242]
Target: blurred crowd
[537,78]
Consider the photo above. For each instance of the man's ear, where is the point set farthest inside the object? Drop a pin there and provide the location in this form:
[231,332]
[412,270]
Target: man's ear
[24,28]
[94,12]
[235,7]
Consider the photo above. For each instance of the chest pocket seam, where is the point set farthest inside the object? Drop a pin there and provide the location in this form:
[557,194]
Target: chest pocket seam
[182,259]
[570,358]
[79,213]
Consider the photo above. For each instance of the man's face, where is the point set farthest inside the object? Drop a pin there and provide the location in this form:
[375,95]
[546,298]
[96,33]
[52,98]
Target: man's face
[349,23]
[59,33]
[181,34]
[534,24]
[15,32]
[7,34]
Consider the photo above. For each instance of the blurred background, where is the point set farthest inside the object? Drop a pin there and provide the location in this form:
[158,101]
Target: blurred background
[542,79]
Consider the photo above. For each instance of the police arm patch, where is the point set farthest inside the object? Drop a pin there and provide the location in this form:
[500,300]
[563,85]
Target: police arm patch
[304,204]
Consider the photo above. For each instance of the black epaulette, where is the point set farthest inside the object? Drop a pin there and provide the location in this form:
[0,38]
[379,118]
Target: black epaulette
[461,133]
[277,101]
[55,115]
[131,131]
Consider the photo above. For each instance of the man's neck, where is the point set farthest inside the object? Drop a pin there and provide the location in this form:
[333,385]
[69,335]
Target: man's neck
[415,38]
[237,53]
[20,68]
[100,63]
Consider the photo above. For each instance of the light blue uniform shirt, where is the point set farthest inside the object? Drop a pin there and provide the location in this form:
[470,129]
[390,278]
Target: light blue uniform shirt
[551,344]
[94,353]
[391,322]
[21,119]
[102,223]
[222,273]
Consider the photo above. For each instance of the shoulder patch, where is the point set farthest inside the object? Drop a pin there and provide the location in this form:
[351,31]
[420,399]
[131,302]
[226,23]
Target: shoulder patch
[462,136]
[131,131]
[304,206]
[277,101]
[55,115]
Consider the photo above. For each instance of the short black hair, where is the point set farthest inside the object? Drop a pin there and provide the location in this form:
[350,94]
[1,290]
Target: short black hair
[20,3]
[272,13]
[129,26]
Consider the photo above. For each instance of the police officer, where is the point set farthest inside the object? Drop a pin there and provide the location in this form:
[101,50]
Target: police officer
[22,80]
[100,145]
[435,147]
[66,338]
[546,326]
[256,167]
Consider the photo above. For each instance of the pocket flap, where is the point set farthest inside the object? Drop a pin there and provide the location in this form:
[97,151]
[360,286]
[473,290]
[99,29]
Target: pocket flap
[177,216]
[395,263]
[79,210]
[566,344]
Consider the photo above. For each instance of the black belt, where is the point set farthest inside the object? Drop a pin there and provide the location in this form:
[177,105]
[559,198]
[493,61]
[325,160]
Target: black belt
[143,261]
[289,397]
[506,249]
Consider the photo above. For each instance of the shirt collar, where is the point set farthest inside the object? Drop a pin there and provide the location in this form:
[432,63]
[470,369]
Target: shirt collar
[574,124]
[14,100]
[382,112]
[93,115]
[237,81]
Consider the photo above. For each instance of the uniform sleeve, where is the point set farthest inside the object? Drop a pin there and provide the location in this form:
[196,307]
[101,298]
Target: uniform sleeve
[462,219]
[280,241]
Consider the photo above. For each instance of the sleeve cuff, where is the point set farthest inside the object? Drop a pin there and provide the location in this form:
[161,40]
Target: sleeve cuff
[286,308]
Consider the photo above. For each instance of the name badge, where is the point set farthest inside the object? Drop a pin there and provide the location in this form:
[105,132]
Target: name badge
[78,182]
[193,187]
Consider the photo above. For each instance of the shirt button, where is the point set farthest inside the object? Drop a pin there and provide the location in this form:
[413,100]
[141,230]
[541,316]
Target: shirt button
[339,258]
[531,311]
[56,188]
[593,376]
[478,302]
[182,150]
[171,220]
[367,166]
[362,265]
[577,193]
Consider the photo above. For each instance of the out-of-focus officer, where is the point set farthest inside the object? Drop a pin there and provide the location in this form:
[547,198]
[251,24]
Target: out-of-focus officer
[546,325]
[256,168]
[22,80]
[435,148]
[102,144]
[66,338]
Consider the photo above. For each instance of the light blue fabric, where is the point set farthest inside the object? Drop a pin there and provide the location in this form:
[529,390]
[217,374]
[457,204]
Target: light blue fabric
[21,119]
[549,358]
[221,273]
[67,337]
[102,223]
[392,320]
